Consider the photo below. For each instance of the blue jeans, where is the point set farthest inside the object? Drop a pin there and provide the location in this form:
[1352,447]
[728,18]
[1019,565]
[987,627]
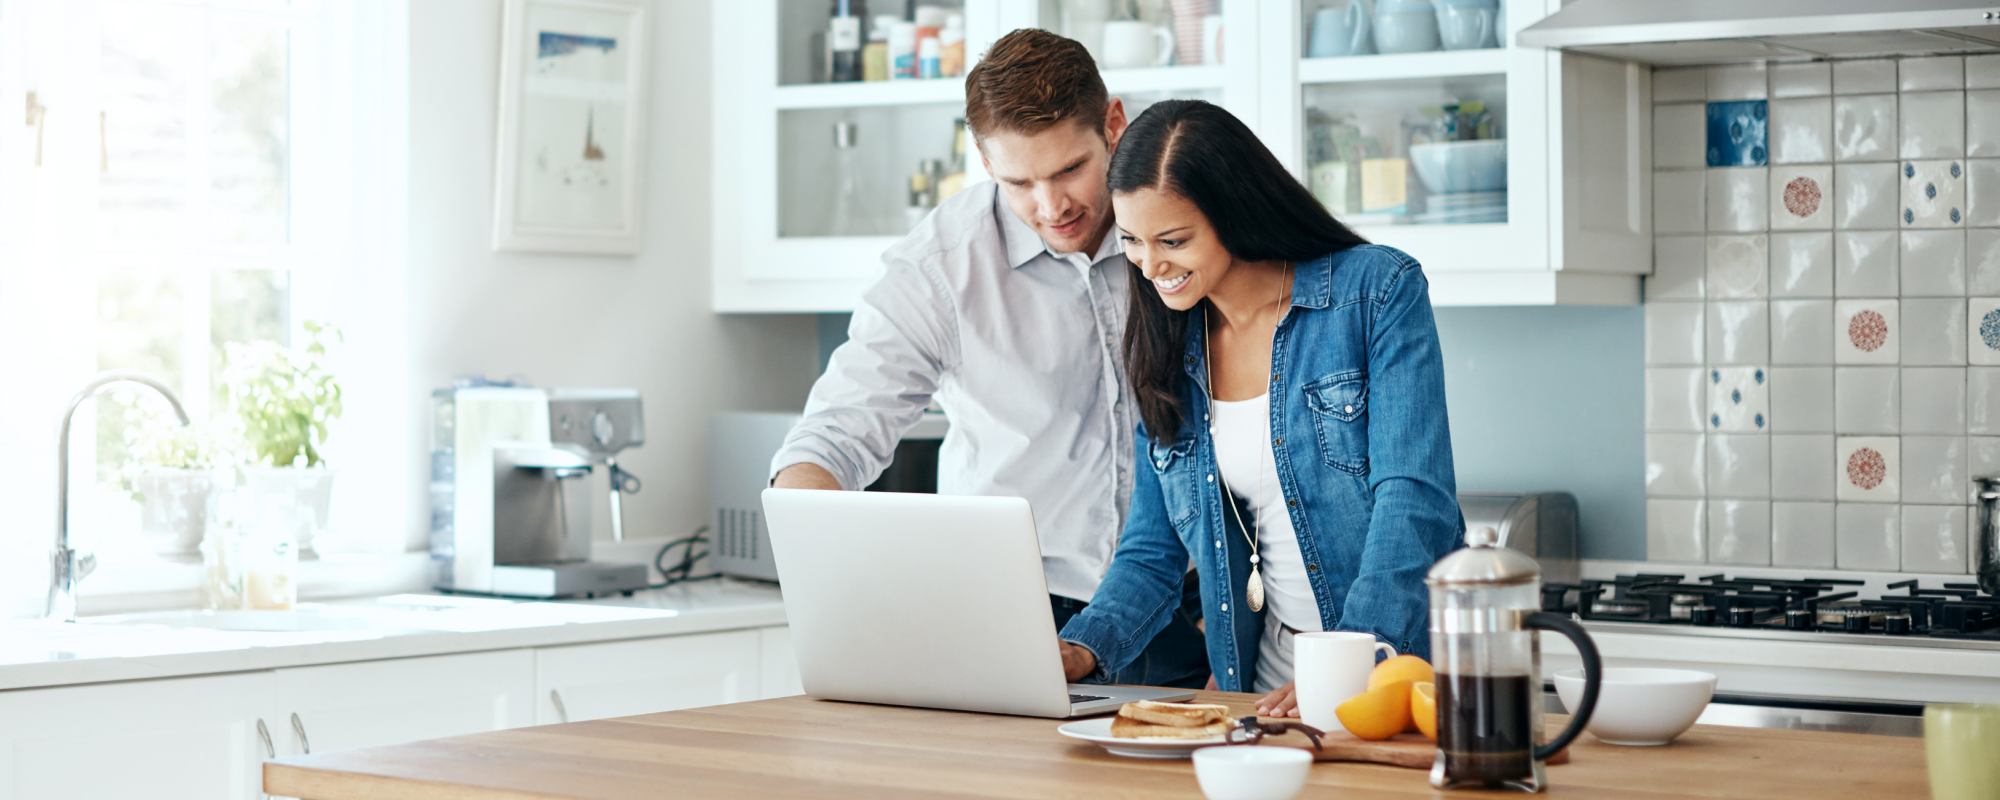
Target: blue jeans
[1177,657]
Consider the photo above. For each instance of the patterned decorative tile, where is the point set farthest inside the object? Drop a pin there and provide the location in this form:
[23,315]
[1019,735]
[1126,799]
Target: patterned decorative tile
[1864,77]
[1864,128]
[1802,399]
[1864,264]
[1866,400]
[1680,268]
[1674,333]
[1933,332]
[1802,467]
[1866,332]
[1933,194]
[1739,532]
[1867,469]
[1866,196]
[1739,332]
[1678,201]
[1675,399]
[1739,133]
[1739,400]
[1868,536]
[1737,266]
[1801,131]
[1802,265]
[1738,200]
[1934,470]
[1933,124]
[1801,197]
[1680,135]
[1739,465]
[1802,535]
[1934,539]
[1983,331]
[1933,263]
[1676,531]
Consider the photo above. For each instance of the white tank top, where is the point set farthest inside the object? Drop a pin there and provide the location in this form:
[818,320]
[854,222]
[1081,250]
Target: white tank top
[1242,436]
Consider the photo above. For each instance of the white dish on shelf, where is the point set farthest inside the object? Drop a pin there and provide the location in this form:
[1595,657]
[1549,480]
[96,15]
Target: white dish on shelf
[1479,165]
[1098,731]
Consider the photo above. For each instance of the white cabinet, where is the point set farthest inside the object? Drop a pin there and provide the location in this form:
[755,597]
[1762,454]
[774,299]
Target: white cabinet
[619,679]
[193,738]
[1572,223]
[781,664]
[372,703]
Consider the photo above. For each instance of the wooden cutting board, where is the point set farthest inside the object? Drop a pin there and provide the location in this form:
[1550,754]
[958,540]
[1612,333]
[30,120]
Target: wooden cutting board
[1411,750]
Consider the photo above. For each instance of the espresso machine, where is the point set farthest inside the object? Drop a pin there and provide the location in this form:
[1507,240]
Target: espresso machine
[511,491]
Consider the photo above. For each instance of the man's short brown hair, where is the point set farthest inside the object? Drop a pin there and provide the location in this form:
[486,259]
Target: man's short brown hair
[1029,81]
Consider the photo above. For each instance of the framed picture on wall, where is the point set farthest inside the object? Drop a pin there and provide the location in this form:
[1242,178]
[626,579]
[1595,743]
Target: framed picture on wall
[570,176]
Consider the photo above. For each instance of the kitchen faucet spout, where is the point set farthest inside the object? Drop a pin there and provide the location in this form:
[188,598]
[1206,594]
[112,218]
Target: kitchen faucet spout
[66,567]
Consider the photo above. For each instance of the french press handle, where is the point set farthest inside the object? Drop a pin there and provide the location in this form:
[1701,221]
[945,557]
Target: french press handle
[1593,676]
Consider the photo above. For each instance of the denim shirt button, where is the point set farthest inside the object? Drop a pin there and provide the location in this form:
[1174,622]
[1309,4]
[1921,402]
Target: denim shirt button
[1225,606]
[1312,567]
[1218,543]
[1232,670]
[1348,409]
[1211,478]
[1278,442]
[1292,503]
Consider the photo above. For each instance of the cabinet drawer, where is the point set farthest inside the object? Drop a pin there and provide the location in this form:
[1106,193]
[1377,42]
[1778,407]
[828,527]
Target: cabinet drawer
[646,676]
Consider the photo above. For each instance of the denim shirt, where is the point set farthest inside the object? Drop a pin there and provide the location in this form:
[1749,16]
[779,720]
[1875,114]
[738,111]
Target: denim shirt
[1364,459]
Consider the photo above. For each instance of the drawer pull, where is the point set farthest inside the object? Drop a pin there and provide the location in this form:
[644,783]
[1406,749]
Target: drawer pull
[300,729]
[555,696]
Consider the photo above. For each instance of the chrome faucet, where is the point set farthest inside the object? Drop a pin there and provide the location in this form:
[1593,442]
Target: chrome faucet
[66,567]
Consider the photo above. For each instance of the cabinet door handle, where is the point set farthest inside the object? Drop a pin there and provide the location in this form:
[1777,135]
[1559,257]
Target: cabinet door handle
[300,729]
[265,734]
[555,696]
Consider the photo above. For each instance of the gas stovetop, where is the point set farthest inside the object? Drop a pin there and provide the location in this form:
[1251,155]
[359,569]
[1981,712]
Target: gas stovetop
[1951,611]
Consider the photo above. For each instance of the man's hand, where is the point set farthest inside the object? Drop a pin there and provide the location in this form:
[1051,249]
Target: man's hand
[805,476]
[1283,702]
[1077,662]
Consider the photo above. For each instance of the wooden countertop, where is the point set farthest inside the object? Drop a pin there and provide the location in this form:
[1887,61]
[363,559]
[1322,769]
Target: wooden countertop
[800,747]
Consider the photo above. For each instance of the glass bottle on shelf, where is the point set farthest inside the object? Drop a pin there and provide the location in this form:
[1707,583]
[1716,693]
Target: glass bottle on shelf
[875,55]
[848,214]
[843,41]
[954,178]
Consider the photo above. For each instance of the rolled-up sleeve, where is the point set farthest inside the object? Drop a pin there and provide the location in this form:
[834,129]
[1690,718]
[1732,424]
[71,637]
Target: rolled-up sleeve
[899,345]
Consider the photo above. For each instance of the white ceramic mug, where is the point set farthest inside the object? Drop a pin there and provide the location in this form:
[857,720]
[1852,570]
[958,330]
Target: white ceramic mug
[1211,39]
[1131,43]
[1329,668]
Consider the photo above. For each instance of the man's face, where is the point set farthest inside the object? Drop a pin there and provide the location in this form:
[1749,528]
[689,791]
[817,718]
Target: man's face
[1054,180]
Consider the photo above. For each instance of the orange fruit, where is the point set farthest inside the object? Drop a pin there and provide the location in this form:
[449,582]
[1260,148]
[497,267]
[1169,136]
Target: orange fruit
[1378,713]
[1424,709]
[1401,668]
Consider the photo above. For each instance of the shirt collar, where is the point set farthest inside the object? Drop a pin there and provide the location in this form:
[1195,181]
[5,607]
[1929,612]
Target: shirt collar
[1023,243]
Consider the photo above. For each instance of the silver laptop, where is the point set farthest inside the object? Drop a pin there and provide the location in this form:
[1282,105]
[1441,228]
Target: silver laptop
[925,600]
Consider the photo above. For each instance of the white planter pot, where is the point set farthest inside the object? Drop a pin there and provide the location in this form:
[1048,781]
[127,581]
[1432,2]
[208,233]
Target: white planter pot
[301,495]
[174,514]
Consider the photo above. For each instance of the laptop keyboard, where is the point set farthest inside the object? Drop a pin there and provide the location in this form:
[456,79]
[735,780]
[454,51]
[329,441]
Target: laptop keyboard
[1085,698]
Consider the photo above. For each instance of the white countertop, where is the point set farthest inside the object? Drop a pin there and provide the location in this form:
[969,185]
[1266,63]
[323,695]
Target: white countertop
[168,644]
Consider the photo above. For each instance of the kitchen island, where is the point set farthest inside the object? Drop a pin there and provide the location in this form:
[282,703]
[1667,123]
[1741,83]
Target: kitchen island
[800,747]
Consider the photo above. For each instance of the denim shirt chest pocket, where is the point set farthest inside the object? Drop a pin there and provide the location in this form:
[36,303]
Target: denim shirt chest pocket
[1175,464]
[1340,414]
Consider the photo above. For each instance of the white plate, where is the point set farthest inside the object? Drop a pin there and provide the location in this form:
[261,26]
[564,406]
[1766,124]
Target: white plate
[1098,731]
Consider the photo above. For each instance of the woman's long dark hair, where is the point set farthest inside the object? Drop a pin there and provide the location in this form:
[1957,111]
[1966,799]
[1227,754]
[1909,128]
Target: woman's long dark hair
[1260,212]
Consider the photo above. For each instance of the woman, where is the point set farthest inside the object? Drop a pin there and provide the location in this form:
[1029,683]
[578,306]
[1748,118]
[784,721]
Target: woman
[1282,363]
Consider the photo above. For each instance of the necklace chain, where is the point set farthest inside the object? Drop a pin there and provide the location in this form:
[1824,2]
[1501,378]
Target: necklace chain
[1254,587]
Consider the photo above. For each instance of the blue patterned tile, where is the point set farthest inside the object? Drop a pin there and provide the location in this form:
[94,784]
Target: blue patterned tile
[1738,133]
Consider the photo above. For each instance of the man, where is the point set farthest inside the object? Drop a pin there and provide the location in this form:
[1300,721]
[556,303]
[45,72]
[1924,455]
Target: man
[1007,307]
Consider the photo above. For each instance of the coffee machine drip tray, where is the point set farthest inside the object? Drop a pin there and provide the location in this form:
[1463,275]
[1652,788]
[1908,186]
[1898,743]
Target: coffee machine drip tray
[564,579]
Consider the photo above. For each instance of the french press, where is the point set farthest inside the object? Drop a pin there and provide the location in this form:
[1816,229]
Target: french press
[1485,610]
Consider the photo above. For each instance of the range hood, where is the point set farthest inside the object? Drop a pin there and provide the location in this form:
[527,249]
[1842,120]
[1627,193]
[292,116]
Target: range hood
[1678,32]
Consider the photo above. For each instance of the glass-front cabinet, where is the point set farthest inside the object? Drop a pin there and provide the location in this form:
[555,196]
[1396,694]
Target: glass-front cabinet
[838,126]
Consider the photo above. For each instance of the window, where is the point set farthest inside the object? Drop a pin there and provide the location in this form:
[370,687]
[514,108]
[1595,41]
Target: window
[202,172]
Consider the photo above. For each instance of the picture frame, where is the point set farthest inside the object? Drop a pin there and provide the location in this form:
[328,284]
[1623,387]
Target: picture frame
[570,164]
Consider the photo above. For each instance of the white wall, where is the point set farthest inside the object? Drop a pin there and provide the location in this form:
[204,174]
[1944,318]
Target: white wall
[581,320]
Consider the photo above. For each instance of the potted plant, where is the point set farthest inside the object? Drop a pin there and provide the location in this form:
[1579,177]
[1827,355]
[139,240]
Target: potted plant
[172,474]
[283,399]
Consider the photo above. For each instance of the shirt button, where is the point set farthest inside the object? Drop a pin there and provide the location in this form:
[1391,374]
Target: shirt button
[1279,442]
[1292,503]
[1232,670]
[1211,479]
[1225,606]
[1218,543]
[1349,409]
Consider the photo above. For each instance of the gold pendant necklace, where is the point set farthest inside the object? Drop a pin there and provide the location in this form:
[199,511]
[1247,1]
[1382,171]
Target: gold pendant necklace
[1253,587]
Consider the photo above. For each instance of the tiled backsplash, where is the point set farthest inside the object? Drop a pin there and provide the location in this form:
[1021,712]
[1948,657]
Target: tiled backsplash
[1823,321]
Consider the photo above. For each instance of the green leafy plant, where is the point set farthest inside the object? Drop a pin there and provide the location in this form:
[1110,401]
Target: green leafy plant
[284,398]
[156,441]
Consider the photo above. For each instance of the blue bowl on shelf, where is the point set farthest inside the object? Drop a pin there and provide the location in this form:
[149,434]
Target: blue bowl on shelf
[1453,167]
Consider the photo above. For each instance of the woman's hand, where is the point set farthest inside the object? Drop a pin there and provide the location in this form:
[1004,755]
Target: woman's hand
[1077,662]
[1284,702]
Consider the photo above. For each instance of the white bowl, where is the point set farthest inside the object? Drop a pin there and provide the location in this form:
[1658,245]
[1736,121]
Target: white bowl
[1251,773]
[1638,706]
[1479,165]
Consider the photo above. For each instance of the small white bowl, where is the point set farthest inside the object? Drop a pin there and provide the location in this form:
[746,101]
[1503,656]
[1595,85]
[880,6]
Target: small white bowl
[1640,706]
[1251,772]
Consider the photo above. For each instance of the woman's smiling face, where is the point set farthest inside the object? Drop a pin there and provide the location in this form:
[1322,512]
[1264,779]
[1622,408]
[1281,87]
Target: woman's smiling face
[1172,244]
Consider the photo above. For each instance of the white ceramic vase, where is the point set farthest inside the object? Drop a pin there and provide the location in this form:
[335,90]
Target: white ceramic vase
[301,496]
[174,514]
